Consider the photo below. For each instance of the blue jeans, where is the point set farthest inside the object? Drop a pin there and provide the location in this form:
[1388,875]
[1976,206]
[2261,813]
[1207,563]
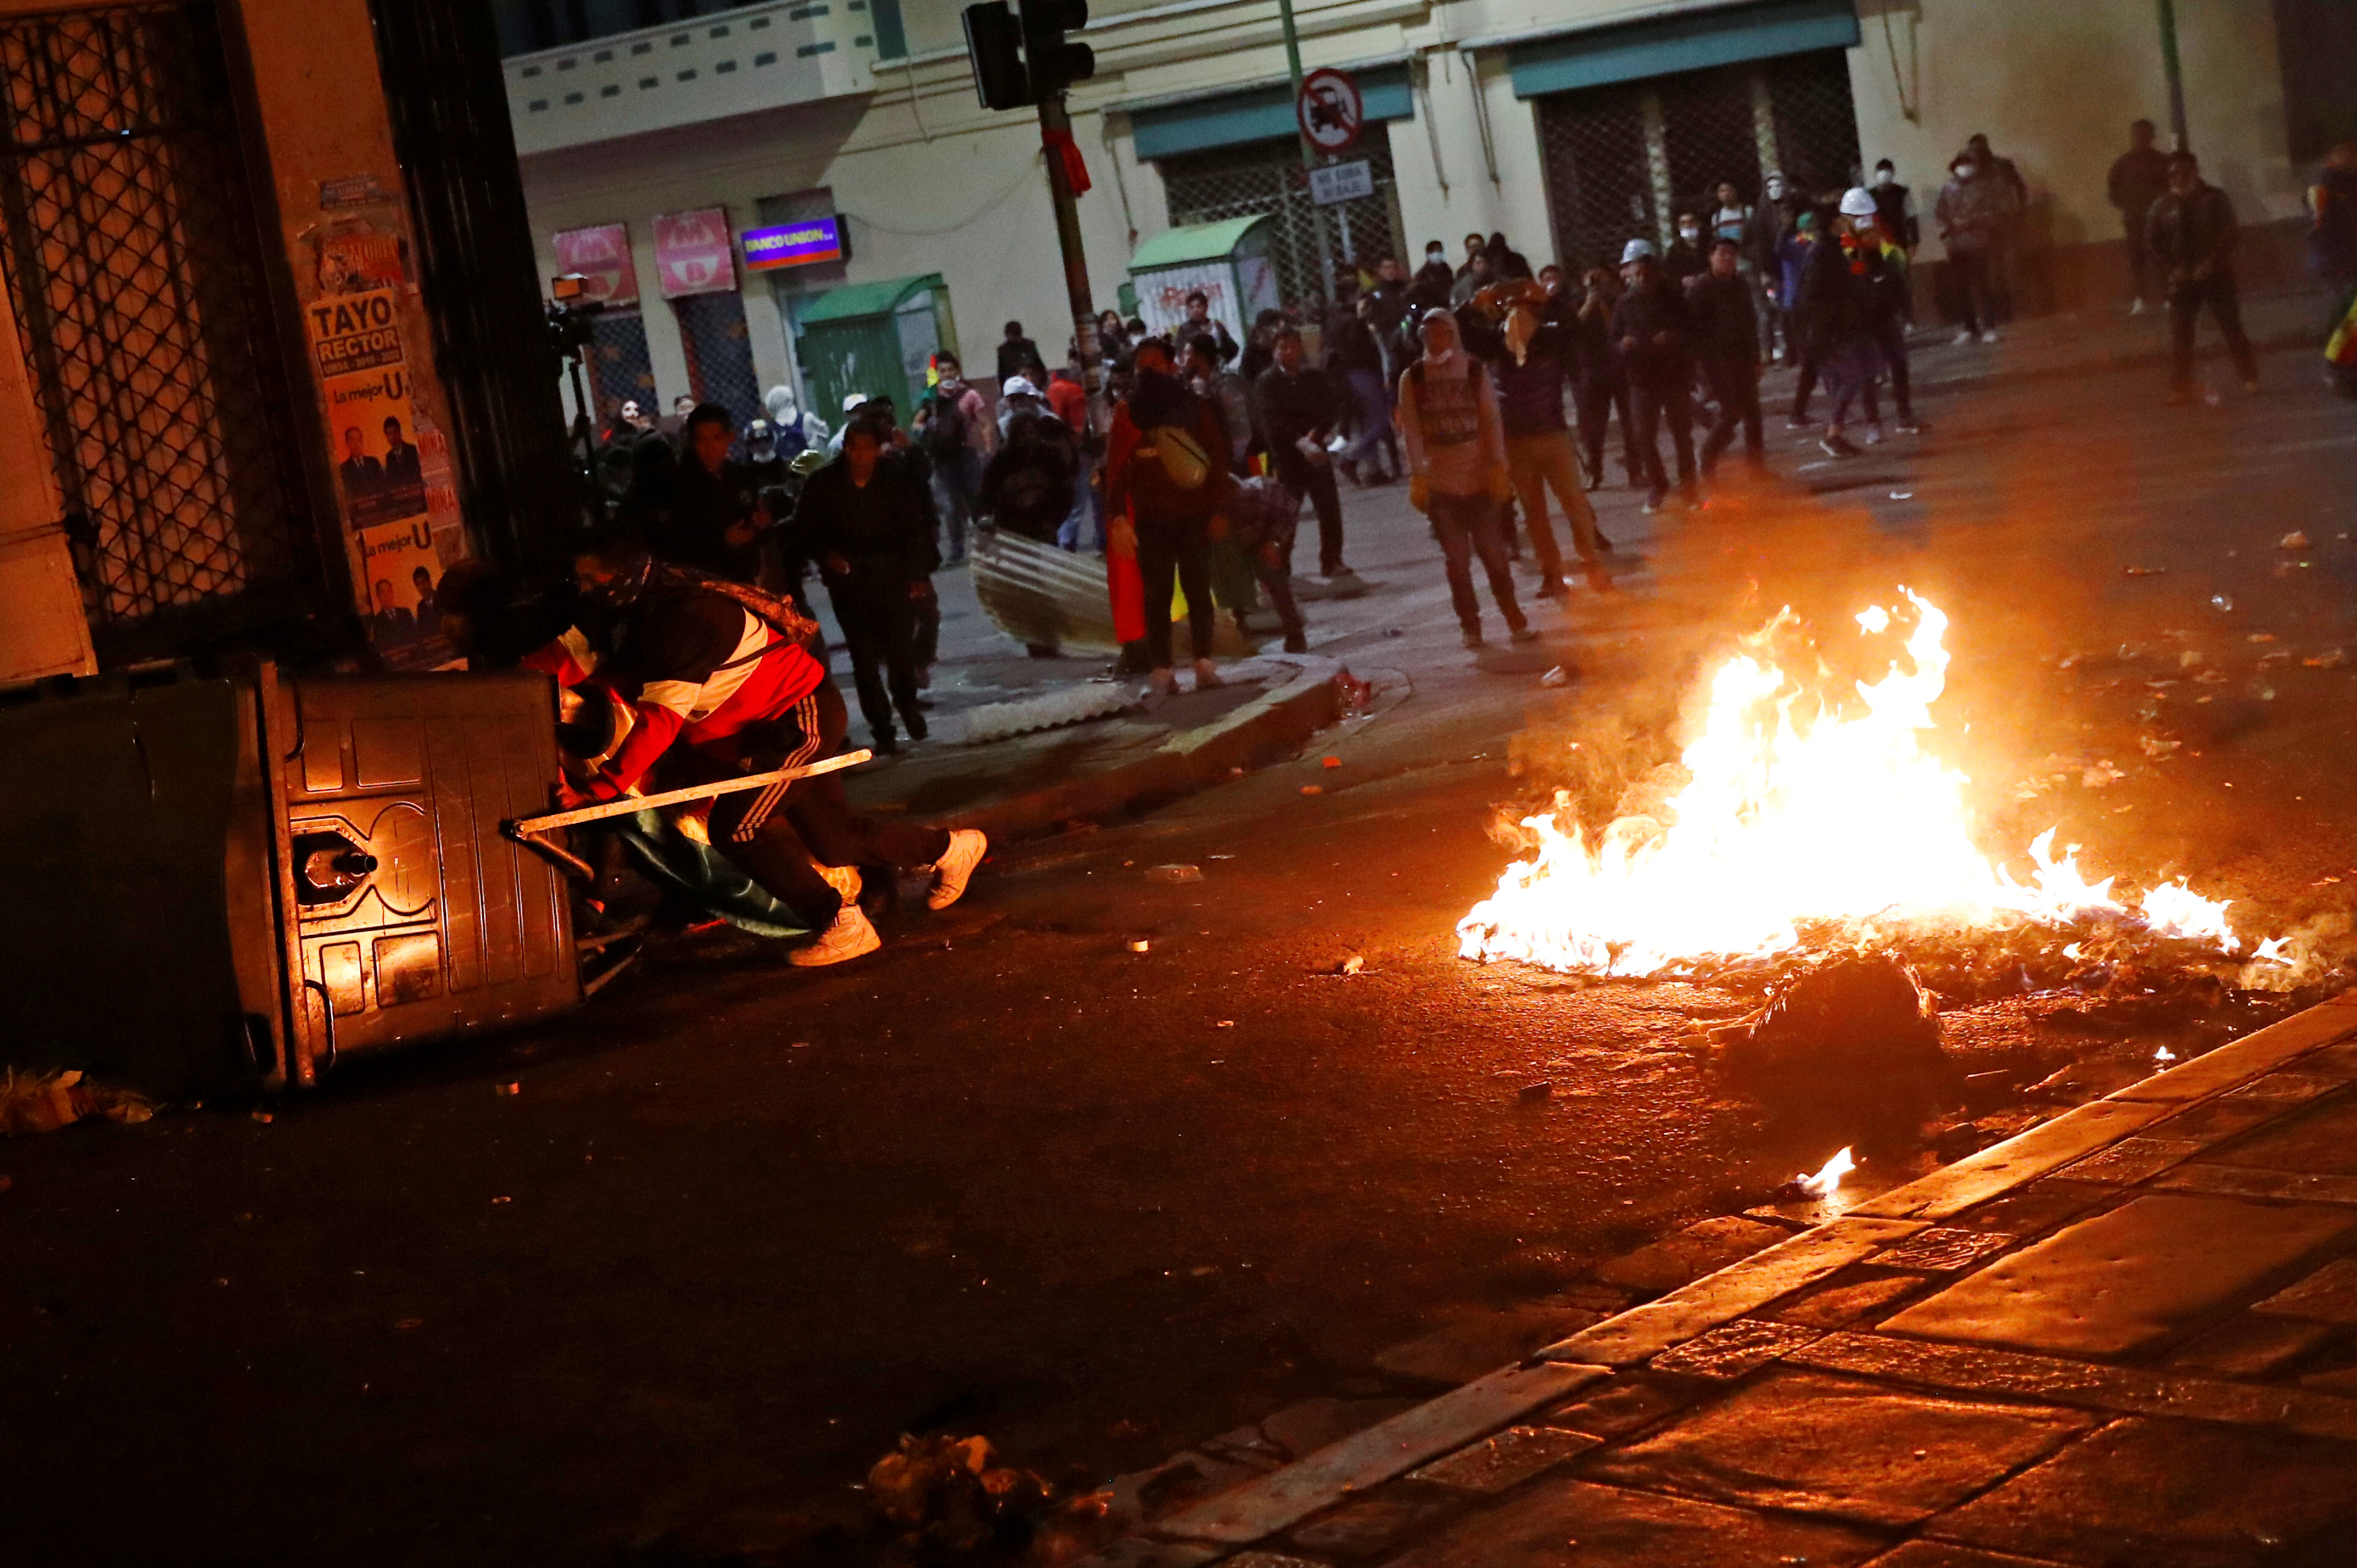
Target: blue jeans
[1372,401]
[1087,515]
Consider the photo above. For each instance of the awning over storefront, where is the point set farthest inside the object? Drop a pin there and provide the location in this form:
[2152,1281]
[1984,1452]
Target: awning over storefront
[1723,36]
[857,301]
[1255,115]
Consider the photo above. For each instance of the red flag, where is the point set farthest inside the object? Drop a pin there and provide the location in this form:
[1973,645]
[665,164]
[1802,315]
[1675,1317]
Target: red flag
[1059,144]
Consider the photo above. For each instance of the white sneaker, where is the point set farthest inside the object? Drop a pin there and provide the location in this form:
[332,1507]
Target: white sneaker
[955,867]
[1988,334]
[1206,675]
[848,937]
[1874,433]
[2137,308]
[1965,335]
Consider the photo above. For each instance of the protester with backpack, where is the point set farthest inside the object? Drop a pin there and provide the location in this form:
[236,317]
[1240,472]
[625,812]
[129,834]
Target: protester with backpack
[1166,485]
[958,436]
[1457,470]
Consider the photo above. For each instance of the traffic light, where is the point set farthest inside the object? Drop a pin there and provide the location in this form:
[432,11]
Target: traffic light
[1055,63]
[994,43]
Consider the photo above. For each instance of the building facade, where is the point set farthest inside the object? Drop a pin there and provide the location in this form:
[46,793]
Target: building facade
[650,131]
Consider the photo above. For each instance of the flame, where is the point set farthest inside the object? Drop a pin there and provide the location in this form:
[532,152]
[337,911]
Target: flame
[1792,813]
[1828,1179]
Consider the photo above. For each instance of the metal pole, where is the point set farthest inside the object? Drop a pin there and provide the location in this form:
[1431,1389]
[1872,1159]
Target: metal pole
[1325,268]
[2174,71]
[1055,132]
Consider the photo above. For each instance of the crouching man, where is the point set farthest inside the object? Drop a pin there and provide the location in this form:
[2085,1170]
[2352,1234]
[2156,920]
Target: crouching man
[717,681]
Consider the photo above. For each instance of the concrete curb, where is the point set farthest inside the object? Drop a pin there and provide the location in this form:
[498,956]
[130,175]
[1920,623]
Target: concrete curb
[1259,732]
[1478,1411]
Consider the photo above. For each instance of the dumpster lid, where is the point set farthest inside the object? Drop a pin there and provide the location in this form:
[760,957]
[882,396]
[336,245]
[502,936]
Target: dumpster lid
[1195,244]
[853,301]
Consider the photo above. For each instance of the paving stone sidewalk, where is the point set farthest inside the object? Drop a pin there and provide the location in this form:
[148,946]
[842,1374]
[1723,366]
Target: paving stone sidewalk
[2126,1337]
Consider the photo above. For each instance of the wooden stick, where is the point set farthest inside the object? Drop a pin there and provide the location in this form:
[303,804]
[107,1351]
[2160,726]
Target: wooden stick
[630,805]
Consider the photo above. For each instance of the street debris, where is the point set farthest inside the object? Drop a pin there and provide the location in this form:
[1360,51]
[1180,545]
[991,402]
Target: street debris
[1356,693]
[43,1102]
[1313,789]
[2223,603]
[1558,676]
[2262,637]
[2148,572]
[2100,772]
[1331,762]
[2330,658]
[1532,1094]
[507,1088]
[1350,965]
[2295,540]
[1139,944]
[261,1116]
[2158,749]
[1903,495]
[1859,1015]
[1174,874]
[945,1496]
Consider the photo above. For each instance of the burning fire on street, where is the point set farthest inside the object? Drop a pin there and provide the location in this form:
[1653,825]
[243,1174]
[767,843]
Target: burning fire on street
[1803,821]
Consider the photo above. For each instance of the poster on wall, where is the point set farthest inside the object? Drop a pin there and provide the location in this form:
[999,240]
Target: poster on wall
[696,254]
[1162,296]
[379,470]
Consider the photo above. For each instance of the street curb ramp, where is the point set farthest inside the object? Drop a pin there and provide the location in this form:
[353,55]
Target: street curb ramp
[1261,731]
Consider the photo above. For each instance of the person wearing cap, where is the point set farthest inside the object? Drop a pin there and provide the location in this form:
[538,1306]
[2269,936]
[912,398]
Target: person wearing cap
[852,403]
[1838,296]
[1455,445]
[1017,396]
[1650,328]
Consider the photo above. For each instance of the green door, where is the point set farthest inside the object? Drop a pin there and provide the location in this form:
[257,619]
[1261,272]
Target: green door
[840,357]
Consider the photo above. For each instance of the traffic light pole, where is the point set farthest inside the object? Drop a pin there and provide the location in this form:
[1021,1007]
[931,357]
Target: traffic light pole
[1055,135]
[1308,155]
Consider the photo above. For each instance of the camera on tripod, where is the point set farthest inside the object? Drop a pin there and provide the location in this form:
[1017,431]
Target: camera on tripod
[570,314]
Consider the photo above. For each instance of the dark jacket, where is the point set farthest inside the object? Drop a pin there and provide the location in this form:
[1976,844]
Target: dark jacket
[1210,326]
[1725,326]
[1028,487]
[1353,346]
[1596,356]
[1289,407]
[883,530]
[1017,355]
[2196,230]
[1645,313]
[704,507]
[2138,178]
[1835,301]
[1890,205]
[1529,395]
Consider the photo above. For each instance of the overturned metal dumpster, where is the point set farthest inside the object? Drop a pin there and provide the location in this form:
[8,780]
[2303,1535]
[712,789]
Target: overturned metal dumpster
[213,882]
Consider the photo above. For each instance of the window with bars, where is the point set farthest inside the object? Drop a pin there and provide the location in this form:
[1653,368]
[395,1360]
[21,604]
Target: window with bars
[134,260]
[719,352]
[622,367]
[1267,178]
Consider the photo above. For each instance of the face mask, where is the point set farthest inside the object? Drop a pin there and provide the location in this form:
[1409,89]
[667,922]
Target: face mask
[1964,171]
[1883,177]
[618,591]
[1689,235]
[1775,187]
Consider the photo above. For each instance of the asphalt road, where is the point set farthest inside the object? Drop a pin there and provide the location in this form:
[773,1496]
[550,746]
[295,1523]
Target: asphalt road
[743,1225]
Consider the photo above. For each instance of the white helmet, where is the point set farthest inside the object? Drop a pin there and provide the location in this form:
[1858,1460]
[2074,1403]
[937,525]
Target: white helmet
[1857,202]
[1636,250]
[1018,386]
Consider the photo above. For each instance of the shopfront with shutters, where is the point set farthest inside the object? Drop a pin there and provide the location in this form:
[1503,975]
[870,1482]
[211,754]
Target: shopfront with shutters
[1640,122]
[1238,154]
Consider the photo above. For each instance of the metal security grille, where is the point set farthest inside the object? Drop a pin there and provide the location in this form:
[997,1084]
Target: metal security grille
[134,262]
[1623,161]
[1266,176]
[620,366]
[719,352]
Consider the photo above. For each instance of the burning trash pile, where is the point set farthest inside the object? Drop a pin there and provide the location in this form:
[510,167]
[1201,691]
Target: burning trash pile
[1805,821]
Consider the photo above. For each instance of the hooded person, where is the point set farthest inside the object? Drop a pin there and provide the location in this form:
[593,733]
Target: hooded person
[1455,449]
[796,431]
[1167,488]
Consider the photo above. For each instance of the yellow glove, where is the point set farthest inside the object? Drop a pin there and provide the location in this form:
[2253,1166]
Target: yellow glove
[1419,492]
